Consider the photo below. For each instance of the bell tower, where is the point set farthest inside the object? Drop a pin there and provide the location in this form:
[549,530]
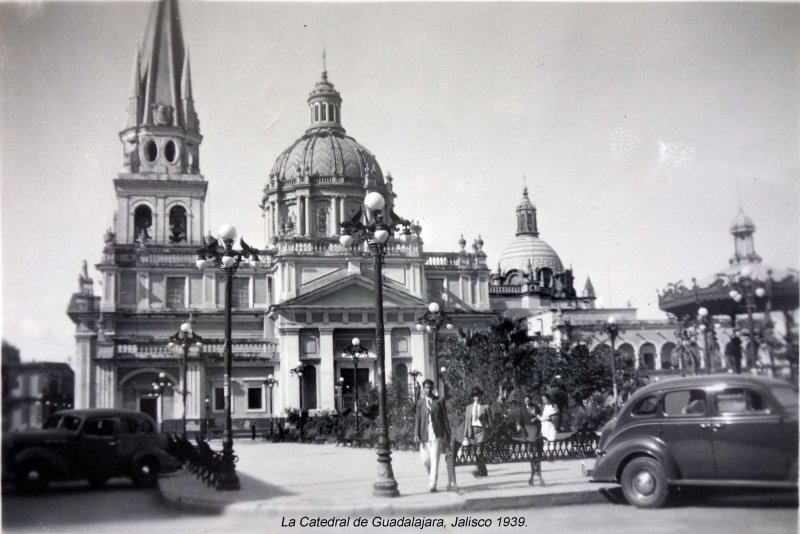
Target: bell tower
[160,191]
[526,216]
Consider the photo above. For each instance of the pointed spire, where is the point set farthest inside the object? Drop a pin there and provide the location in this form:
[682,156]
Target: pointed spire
[742,229]
[162,62]
[136,78]
[135,97]
[588,289]
[186,79]
[526,216]
[325,103]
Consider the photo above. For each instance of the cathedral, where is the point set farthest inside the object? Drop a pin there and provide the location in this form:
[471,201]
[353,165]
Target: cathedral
[312,296]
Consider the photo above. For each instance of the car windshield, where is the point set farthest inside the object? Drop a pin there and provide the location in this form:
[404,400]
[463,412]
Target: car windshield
[787,396]
[67,422]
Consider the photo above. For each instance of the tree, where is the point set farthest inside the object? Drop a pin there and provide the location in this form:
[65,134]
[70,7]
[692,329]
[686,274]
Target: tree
[587,371]
[497,358]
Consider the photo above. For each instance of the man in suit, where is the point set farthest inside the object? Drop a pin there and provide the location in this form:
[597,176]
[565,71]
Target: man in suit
[477,422]
[431,431]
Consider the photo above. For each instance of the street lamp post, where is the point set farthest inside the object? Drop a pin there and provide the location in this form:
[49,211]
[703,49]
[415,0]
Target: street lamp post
[432,321]
[228,260]
[208,417]
[158,389]
[414,374]
[298,371]
[185,338]
[354,352]
[613,330]
[271,382]
[377,232]
[744,286]
[709,336]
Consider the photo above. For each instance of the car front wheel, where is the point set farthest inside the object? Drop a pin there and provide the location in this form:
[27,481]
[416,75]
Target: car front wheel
[32,476]
[145,473]
[644,483]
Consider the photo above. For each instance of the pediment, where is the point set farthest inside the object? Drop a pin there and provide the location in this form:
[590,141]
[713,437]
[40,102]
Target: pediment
[355,291]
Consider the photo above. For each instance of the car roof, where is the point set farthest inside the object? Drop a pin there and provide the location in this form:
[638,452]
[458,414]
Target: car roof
[703,381]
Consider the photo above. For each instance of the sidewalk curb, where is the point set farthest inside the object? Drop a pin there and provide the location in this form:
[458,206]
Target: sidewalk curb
[456,504]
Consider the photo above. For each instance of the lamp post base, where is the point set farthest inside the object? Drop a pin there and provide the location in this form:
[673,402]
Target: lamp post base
[385,485]
[228,482]
[227,478]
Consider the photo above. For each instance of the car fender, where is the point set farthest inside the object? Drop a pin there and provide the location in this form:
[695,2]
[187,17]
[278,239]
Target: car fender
[608,467]
[56,461]
[166,462]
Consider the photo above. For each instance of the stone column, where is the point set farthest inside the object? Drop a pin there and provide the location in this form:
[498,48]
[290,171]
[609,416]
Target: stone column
[337,216]
[290,358]
[195,400]
[301,215]
[308,217]
[419,352]
[86,346]
[327,399]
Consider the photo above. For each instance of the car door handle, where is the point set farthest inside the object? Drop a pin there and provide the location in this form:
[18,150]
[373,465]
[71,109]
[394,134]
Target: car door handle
[112,443]
[704,425]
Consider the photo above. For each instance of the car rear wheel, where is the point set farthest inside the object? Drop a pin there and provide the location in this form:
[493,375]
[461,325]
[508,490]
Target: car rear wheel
[32,476]
[145,473]
[644,483]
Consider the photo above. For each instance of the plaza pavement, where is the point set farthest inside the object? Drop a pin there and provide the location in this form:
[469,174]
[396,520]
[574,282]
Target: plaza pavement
[291,479]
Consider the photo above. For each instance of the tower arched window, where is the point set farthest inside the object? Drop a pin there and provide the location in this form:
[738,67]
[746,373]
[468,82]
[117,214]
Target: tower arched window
[529,219]
[177,225]
[324,111]
[316,112]
[142,221]
[335,113]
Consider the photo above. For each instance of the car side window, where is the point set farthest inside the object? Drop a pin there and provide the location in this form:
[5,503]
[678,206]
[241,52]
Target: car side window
[646,406]
[146,427]
[739,400]
[129,426]
[685,402]
[71,423]
[99,427]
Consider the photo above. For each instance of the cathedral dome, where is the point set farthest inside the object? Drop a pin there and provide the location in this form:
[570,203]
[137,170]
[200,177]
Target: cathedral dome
[528,251]
[325,153]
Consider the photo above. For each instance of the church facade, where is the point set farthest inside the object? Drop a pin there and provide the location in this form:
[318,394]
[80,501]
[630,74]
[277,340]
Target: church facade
[311,297]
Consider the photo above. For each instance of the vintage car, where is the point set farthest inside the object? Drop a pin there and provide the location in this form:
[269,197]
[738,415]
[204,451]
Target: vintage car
[89,444]
[720,430]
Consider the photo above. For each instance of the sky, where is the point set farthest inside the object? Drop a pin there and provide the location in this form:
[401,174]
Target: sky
[639,130]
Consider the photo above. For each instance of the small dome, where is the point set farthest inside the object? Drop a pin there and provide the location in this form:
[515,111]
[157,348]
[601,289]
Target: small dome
[325,150]
[742,223]
[529,248]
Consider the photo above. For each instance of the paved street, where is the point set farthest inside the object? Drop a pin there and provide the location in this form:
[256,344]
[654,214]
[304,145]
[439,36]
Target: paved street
[123,508]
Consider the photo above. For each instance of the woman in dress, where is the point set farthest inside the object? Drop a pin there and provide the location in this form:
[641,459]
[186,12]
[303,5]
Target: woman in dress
[549,411]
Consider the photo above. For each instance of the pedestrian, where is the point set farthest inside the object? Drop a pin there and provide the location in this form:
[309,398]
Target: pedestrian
[733,353]
[549,413]
[477,423]
[431,431]
[531,413]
